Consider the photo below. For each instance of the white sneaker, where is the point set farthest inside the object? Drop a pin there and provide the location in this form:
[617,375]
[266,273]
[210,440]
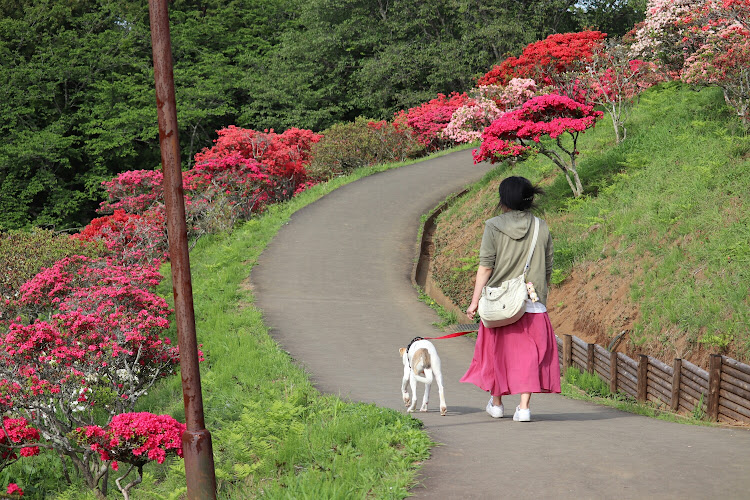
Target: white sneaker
[522,415]
[495,411]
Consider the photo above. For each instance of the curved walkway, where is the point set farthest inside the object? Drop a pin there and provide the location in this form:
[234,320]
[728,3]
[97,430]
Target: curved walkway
[352,253]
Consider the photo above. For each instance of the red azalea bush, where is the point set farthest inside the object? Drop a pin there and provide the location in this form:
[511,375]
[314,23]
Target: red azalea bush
[518,133]
[18,437]
[545,60]
[135,438]
[133,238]
[284,156]
[428,120]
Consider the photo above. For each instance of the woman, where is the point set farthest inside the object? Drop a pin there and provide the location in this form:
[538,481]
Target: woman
[520,358]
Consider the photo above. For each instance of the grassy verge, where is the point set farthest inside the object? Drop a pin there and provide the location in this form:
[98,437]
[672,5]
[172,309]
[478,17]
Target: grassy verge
[666,211]
[588,387]
[274,435]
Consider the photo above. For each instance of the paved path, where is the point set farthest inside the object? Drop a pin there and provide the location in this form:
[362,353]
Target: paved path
[352,252]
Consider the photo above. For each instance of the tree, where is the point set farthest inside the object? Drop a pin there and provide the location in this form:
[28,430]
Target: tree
[612,80]
[720,33]
[519,133]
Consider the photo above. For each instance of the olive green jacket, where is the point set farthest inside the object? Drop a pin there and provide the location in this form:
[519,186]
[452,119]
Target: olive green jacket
[505,246]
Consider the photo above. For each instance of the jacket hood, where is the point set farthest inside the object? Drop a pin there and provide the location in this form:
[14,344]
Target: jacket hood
[515,224]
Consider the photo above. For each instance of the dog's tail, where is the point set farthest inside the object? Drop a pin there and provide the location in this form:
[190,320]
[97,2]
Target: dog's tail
[422,366]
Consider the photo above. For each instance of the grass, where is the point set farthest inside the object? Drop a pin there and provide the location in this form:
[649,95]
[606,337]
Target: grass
[586,386]
[274,435]
[666,210]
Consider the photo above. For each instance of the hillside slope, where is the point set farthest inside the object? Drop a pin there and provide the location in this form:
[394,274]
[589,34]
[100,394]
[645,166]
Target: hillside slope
[659,248]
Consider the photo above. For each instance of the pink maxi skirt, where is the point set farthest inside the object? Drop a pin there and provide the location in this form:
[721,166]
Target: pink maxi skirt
[516,358]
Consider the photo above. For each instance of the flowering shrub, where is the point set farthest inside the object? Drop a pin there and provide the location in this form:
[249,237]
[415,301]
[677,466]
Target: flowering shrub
[23,254]
[13,489]
[284,156]
[134,438]
[95,349]
[134,191]
[544,60]
[17,434]
[468,121]
[487,103]
[429,119]
[519,133]
[612,80]
[659,36]
[133,238]
[719,33]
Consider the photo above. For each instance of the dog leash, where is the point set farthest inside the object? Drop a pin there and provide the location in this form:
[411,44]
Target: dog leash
[448,336]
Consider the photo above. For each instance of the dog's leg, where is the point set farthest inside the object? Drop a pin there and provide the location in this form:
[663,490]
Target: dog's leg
[426,398]
[404,392]
[413,381]
[439,382]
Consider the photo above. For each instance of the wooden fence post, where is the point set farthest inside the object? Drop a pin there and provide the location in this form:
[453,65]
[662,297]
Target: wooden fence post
[590,357]
[613,372]
[642,378]
[567,352]
[677,368]
[714,381]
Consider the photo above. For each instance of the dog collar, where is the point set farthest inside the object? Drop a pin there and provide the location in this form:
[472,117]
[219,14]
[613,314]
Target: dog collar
[409,347]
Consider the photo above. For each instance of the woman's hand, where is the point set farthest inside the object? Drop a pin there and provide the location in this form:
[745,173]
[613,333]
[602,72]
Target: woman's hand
[471,311]
[483,276]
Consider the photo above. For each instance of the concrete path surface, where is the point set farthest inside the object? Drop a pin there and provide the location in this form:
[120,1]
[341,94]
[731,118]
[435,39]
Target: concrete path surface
[335,289]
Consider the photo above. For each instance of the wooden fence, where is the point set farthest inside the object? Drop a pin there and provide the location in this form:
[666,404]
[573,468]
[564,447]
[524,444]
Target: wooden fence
[722,393]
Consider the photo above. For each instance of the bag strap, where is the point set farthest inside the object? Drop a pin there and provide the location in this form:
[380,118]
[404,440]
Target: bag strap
[531,250]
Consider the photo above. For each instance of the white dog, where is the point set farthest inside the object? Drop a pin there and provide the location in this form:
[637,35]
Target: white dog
[421,363]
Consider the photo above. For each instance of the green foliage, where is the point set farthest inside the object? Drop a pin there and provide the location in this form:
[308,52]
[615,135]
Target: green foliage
[699,413]
[589,383]
[23,254]
[347,146]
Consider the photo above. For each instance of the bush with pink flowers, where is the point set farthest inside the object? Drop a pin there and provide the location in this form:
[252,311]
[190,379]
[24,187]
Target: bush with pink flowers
[517,134]
[134,439]
[428,120]
[88,343]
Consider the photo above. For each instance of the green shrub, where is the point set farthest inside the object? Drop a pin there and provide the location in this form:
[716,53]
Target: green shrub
[23,254]
[361,143]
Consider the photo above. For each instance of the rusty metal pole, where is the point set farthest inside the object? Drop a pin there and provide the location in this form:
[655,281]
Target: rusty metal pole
[196,441]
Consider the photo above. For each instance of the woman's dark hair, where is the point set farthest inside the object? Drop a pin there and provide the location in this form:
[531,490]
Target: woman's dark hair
[517,193]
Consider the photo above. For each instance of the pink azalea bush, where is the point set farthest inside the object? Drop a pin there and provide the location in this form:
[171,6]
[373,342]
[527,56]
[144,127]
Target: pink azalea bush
[718,34]
[428,120]
[517,134]
[91,344]
[14,490]
[487,103]
[135,439]
[467,122]
[659,36]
